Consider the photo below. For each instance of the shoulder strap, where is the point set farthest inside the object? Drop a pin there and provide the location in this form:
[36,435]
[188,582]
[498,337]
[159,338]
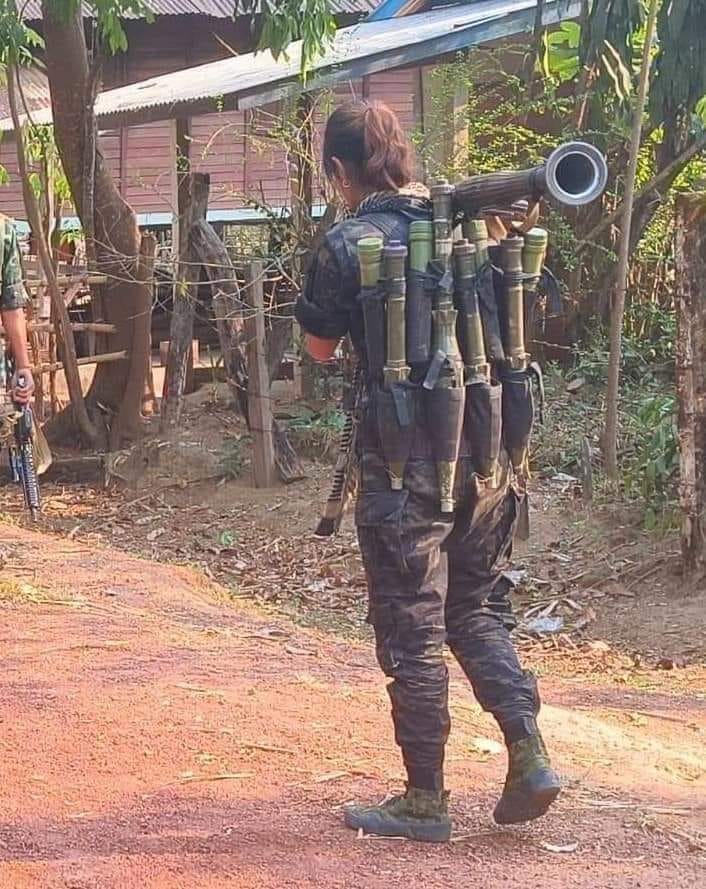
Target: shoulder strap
[382,221]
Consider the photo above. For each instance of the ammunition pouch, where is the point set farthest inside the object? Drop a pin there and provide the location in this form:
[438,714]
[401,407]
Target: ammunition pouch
[444,414]
[420,291]
[518,412]
[490,316]
[483,423]
[372,300]
[395,413]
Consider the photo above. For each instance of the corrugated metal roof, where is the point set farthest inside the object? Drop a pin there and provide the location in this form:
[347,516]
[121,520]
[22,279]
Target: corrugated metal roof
[35,89]
[219,9]
[254,79]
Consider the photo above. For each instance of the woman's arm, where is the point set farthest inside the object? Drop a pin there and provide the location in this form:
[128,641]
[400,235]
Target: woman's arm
[322,309]
[319,348]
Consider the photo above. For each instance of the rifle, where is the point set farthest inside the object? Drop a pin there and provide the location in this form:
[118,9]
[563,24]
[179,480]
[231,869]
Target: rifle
[345,476]
[19,430]
[22,465]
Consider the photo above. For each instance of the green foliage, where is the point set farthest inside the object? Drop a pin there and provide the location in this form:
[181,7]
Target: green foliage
[498,104]
[73,236]
[317,436]
[17,40]
[559,60]
[233,456]
[41,148]
[284,21]
[679,84]
[651,463]
[108,16]
[648,438]
[226,538]
[613,22]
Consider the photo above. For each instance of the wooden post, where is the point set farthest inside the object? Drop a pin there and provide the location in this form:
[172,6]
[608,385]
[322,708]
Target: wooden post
[259,402]
[690,261]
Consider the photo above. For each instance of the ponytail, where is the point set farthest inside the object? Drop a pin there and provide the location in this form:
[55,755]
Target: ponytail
[368,137]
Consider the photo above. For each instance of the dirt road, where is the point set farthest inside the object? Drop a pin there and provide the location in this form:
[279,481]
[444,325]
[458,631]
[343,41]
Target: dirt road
[155,735]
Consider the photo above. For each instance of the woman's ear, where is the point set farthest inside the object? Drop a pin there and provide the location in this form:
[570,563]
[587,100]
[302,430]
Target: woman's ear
[340,174]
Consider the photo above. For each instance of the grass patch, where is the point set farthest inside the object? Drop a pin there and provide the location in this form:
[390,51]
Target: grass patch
[12,590]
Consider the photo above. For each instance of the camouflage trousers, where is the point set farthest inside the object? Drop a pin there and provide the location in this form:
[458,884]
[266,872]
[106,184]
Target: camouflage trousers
[434,579]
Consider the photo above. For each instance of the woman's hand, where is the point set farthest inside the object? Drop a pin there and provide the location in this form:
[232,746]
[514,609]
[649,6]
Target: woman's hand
[22,386]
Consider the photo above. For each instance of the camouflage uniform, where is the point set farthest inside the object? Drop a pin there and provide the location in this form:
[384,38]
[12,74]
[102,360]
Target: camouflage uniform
[432,578]
[12,291]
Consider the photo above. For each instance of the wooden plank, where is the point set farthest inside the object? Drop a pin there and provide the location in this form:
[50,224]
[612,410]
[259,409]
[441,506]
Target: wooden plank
[259,401]
[78,326]
[105,358]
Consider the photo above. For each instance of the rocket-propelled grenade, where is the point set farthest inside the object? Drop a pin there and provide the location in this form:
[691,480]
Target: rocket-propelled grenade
[476,231]
[395,402]
[471,325]
[445,395]
[418,306]
[394,262]
[372,303]
[511,263]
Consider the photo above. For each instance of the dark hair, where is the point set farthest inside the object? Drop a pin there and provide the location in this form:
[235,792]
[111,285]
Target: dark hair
[368,136]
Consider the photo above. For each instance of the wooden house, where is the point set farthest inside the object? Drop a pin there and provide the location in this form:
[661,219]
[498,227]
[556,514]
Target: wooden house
[232,146]
[231,134]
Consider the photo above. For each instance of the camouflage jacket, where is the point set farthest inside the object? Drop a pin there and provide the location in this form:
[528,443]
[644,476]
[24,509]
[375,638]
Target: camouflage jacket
[328,306]
[12,290]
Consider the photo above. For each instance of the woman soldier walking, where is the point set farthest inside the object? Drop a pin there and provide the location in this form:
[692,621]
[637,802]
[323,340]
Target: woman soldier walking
[432,577]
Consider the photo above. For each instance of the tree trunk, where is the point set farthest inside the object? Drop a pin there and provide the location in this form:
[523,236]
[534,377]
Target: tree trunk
[690,259]
[193,203]
[64,333]
[114,397]
[210,251]
[129,420]
[610,436]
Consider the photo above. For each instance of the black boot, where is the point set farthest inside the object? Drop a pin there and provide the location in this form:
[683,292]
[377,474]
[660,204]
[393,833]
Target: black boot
[418,815]
[531,785]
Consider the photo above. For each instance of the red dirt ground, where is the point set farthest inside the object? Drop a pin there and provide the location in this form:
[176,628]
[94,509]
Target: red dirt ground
[153,734]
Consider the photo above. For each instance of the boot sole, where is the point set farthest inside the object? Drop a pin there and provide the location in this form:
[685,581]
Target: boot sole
[420,832]
[520,806]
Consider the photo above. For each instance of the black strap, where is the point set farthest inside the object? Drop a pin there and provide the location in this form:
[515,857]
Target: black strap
[550,287]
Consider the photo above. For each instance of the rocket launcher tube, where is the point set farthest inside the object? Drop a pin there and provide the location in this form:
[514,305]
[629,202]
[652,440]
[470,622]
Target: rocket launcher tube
[371,297]
[471,325]
[511,263]
[574,174]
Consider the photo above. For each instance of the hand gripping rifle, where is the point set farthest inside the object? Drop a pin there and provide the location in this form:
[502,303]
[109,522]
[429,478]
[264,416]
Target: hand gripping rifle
[22,466]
